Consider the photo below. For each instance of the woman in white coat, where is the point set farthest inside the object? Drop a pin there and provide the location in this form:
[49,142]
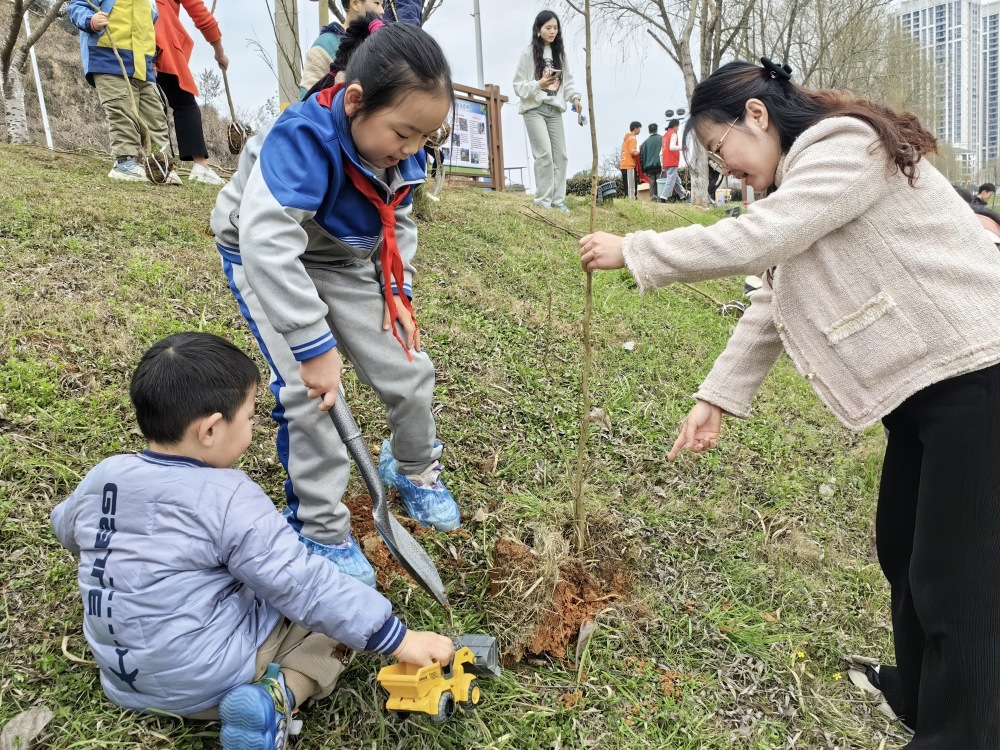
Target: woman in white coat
[544,85]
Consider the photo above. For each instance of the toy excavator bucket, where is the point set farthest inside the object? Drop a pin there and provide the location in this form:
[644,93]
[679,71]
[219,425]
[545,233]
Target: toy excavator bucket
[484,649]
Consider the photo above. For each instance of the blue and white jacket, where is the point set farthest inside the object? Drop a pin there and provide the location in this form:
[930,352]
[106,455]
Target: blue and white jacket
[290,203]
[185,569]
[130,25]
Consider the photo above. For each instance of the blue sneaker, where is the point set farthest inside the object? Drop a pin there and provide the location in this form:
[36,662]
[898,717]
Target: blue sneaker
[257,716]
[425,497]
[561,206]
[541,204]
[347,555]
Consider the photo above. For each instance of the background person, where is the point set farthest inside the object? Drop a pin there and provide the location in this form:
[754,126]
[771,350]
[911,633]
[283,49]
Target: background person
[544,85]
[173,75]
[984,195]
[323,51]
[649,159]
[883,290]
[670,158]
[629,159]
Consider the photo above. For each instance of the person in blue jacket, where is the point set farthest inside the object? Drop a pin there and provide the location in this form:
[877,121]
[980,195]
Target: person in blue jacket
[198,598]
[317,241]
[125,26]
[323,51]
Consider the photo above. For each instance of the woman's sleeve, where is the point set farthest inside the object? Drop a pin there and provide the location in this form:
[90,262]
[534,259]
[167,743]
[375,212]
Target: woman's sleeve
[525,85]
[203,20]
[570,91]
[750,354]
[830,183]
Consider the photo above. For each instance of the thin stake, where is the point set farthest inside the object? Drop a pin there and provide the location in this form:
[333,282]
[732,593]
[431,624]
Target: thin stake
[579,501]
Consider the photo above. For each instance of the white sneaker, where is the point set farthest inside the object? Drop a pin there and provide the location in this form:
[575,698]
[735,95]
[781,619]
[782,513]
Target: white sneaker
[128,170]
[205,175]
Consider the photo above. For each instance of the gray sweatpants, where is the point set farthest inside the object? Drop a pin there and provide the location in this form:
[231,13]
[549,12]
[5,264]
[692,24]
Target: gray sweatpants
[312,453]
[548,146]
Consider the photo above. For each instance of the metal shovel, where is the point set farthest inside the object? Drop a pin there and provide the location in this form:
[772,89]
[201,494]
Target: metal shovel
[402,546]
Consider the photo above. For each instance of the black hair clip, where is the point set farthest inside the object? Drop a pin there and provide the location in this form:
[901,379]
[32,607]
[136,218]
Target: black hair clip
[780,72]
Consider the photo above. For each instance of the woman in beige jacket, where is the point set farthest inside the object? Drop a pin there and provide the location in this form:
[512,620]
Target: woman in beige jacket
[881,287]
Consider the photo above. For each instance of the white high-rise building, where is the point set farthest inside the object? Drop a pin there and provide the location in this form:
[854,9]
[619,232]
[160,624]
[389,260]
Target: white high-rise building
[962,40]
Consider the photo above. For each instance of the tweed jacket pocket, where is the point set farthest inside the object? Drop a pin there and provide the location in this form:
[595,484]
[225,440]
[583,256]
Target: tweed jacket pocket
[875,341]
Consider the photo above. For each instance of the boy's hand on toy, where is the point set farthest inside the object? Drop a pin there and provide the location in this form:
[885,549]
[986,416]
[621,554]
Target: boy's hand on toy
[422,648]
[601,251]
[412,338]
[321,375]
[700,430]
[99,21]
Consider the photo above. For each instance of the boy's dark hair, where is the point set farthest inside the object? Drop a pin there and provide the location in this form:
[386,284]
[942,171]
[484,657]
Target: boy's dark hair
[635,124]
[652,128]
[187,376]
[538,46]
[722,97]
[675,123]
[987,187]
[395,61]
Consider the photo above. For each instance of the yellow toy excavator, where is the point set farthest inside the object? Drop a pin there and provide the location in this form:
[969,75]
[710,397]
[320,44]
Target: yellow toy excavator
[435,690]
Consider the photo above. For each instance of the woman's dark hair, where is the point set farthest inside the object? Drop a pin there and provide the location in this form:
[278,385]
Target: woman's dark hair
[722,98]
[538,46]
[398,59]
[185,377]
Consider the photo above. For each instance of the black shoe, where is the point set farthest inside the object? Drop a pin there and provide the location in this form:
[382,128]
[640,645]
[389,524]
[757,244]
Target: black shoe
[881,683]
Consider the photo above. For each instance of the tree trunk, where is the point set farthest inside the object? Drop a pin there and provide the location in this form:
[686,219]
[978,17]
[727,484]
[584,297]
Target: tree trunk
[695,156]
[13,106]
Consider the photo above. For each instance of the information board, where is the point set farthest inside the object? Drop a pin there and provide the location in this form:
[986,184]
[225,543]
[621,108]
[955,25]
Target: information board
[469,149]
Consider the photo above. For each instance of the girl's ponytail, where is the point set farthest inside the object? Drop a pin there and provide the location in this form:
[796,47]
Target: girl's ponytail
[357,31]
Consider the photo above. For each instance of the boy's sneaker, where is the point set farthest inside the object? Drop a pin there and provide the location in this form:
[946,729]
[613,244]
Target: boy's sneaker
[425,497]
[128,170]
[347,556]
[561,206]
[258,716]
[540,203]
[205,175]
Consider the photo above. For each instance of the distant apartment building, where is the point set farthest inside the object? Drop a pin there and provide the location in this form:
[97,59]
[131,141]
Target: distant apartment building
[962,39]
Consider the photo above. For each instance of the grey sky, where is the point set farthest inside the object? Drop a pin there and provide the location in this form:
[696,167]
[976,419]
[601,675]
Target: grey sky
[639,85]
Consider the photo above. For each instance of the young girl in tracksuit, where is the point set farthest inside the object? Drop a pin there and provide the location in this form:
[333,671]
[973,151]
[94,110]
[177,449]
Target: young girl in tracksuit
[317,241]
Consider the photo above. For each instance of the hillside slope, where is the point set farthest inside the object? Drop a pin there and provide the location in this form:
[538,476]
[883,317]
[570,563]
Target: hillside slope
[724,587]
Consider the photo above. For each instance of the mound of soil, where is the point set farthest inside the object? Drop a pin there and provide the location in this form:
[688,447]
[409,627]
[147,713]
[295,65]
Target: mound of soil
[363,528]
[553,623]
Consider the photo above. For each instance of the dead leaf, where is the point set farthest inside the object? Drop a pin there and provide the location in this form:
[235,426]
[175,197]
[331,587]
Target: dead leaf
[21,731]
[628,346]
[600,417]
[480,516]
[772,616]
[587,630]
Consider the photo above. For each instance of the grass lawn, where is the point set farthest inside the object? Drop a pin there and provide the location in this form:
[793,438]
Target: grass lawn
[749,570]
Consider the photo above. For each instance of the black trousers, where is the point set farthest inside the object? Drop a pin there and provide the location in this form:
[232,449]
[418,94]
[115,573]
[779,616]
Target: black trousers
[938,538]
[187,117]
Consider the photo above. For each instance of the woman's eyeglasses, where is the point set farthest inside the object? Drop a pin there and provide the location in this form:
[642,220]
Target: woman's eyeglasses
[715,155]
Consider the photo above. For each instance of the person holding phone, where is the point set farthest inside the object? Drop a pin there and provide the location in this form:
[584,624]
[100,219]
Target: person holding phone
[544,86]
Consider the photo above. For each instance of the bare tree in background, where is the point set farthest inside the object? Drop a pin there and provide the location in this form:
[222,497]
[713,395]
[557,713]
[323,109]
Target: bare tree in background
[428,8]
[695,34]
[14,61]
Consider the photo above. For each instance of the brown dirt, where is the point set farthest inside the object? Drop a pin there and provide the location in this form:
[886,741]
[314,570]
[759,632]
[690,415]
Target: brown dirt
[363,528]
[579,593]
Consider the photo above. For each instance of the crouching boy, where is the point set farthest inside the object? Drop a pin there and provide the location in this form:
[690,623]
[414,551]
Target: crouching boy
[199,599]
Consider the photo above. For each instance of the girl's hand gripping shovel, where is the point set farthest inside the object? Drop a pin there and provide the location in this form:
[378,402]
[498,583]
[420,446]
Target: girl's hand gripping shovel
[403,547]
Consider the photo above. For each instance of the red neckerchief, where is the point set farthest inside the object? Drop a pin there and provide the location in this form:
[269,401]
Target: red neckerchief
[392,262]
